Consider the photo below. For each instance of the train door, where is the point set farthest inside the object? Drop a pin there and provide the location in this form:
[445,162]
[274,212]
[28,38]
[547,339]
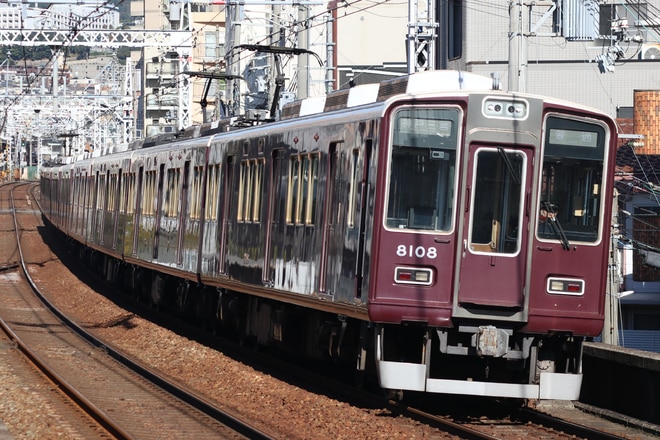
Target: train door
[275,198]
[158,213]
[79,202]
[331,235]
[224,221]
[343,237]
[88,178]
[117,190]
[137,213]
[99,206]
[183,212]
[492,263]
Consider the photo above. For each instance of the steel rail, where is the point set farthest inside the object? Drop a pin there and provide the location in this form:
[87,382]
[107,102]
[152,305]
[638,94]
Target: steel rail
[186,395]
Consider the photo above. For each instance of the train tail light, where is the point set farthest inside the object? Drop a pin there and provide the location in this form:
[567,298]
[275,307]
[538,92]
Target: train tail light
[413,275]
[565,286]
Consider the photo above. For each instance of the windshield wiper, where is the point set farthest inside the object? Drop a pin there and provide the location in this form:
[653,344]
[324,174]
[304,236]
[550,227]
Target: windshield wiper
[556,226]
[509,165]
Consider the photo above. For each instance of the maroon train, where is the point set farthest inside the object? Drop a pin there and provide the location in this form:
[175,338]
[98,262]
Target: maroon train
[451,236]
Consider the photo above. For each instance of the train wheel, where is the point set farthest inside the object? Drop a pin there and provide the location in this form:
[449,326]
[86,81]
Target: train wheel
[396,395]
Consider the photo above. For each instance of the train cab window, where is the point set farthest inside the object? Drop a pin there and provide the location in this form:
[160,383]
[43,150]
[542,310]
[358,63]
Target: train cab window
[571,184]
[422,173]
[498,185]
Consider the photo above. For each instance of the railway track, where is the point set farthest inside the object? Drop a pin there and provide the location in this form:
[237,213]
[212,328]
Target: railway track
[124,399]
[501,426]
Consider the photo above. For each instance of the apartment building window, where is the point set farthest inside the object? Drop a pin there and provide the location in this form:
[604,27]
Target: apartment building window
[213,49]
[454,29]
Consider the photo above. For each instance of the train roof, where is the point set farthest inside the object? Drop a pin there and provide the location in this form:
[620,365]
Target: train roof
[422,82]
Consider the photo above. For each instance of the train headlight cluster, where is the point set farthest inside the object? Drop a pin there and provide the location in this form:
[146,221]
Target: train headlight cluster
[498,108]
[565,286]
[413,275]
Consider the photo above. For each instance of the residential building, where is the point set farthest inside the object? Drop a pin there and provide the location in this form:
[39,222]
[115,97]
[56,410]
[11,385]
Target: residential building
[638,224]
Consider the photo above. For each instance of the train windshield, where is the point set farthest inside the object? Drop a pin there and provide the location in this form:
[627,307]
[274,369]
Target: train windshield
[423,168]
[571,185]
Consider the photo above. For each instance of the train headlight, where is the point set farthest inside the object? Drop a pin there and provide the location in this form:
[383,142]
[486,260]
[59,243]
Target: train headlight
[413,275]
[565,286]
[504,109]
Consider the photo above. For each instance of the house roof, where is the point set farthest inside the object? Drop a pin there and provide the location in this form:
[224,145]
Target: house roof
[640,172]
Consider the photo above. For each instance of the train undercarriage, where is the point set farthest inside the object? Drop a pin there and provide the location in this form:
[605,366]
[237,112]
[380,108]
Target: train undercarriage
[479,360]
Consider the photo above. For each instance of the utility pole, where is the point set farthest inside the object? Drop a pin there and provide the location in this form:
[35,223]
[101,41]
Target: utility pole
[303,58]
[421,36]
[517,48]
[234,15]
[574,21]
[612,293]
[330,51]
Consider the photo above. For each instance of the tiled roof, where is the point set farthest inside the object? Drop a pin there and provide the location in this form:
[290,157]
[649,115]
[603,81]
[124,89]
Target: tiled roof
[638,167]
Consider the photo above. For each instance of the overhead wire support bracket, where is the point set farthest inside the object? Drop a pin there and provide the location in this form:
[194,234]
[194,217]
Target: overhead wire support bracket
[279,79]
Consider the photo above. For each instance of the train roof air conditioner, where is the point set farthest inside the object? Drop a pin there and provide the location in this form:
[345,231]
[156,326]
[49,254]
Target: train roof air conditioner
[650,52]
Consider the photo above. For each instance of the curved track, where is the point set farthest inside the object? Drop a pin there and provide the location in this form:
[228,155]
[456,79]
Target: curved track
[128,402]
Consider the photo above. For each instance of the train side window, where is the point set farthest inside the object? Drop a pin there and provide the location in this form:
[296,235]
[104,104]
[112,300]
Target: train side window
[109,192]
[100,200]
[292,190]
[311,181]
[115,187]
[166,201]
[123,193]
[172,193]
[130,200]
[244,193]
[196,193]
[193,194]
[241,190]
[212,193]
[147,201]
[230,187]
[88,192]
[302,190]
[150,193]
[249,196]
[256,189]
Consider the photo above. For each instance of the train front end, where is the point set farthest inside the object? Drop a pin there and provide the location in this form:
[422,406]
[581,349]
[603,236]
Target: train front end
[490,243]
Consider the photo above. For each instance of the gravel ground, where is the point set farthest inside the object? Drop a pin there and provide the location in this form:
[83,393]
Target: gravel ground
[286,410]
